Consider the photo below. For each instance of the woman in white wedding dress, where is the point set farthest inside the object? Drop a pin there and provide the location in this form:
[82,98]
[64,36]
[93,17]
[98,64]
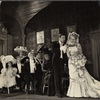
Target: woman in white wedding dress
[82,84]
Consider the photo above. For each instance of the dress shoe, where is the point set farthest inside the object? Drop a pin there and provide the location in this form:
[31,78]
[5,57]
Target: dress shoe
[59,95]
[27,92]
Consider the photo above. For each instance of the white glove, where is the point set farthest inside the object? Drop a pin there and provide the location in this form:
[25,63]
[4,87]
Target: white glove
[18,76]
[63,48]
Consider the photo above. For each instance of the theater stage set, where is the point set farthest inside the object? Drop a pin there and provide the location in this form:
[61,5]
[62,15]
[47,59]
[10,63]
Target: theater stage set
[21,22]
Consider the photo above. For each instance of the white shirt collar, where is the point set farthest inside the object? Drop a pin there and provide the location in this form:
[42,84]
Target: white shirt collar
[61,44]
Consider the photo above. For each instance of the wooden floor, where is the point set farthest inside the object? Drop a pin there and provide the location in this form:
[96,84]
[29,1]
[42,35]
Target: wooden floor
[20,96]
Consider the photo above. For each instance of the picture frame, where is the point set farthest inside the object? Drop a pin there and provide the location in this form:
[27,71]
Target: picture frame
[40,37]
[54,34]
[71,28]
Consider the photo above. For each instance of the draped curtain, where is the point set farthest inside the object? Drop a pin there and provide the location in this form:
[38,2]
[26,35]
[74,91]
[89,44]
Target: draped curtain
[1,47]
[95,41]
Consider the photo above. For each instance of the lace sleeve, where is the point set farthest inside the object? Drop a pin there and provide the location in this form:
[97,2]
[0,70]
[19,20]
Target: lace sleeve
[14,71]
[79,48]
[68,53]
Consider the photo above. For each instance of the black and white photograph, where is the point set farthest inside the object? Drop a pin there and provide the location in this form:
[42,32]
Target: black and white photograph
[40,37]
[54,34]
[49,50]
[71,29]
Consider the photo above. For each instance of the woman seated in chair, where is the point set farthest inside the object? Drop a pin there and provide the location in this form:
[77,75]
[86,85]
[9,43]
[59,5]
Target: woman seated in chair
[48,78]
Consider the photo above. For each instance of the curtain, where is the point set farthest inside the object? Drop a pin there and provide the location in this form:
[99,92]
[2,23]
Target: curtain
[1,47]
[95,41]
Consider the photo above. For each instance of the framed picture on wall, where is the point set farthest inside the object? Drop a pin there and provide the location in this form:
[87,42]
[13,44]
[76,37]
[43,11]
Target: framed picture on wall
[54,34]
[40,37]
[71,28]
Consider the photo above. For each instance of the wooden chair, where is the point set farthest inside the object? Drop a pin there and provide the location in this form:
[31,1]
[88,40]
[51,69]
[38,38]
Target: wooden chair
[45,86]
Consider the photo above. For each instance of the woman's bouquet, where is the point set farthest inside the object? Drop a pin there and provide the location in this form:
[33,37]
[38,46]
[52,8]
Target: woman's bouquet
[79,60]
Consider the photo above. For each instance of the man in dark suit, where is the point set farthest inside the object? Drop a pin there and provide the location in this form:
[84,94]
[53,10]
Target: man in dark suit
[59,59]
[29,71]
[20,70]
[38,72]
[1,66]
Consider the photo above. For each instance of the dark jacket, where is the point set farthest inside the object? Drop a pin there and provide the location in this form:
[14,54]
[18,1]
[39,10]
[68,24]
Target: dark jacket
[22,68]
[1,66]
[58,63]
[26,67]
[56,54]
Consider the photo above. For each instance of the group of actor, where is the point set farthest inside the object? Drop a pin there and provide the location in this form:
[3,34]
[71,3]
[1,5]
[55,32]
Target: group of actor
[38,72]
[46,71]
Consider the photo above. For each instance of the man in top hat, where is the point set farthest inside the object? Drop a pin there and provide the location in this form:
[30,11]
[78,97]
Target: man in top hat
[59,59]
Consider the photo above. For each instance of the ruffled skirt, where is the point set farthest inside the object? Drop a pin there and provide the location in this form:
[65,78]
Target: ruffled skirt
[82,84]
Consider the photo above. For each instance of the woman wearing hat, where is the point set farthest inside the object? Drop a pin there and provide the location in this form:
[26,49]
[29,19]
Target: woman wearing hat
[3,80]
[8,73]
[21,51]
[11,73]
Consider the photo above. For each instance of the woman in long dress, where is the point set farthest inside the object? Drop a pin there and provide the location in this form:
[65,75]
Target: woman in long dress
[3,78]
[82,84]
[11,75]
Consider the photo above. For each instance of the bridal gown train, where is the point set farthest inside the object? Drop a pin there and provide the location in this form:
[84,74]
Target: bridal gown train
[82,84]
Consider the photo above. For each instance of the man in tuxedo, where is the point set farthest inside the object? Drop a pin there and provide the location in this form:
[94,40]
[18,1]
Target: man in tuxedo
[1,66]
[58,60]
[29,71]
